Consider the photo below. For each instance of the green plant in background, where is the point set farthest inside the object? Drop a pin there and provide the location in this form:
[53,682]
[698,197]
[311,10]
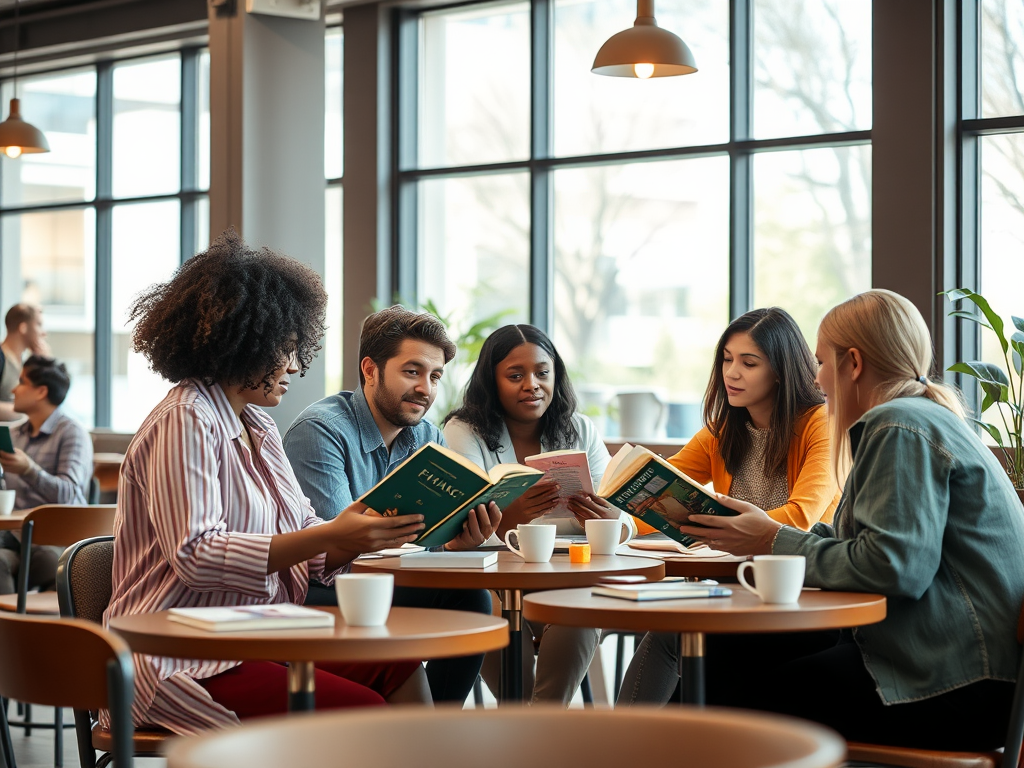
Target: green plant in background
[1003,389]
[468,336]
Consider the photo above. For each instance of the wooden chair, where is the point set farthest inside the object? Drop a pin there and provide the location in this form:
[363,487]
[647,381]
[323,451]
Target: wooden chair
[83,591]
[52,525]
[508,737]
[66,663]
[906,757]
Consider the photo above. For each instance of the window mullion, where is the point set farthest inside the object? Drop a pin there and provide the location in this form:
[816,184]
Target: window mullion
[741,292]
[541,219]
[102,339]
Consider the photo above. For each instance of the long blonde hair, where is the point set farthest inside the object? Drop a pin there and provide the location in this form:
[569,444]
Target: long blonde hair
[893,339]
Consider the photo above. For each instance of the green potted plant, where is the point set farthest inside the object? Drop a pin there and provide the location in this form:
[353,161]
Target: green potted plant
[1003,389]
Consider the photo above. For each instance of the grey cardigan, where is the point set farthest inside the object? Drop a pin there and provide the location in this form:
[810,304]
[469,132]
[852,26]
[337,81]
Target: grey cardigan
[928,519]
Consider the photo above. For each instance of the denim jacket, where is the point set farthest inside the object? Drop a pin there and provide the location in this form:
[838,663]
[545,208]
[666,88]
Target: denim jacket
[929,519]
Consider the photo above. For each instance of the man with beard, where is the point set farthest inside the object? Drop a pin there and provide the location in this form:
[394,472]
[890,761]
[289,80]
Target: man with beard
[343,445]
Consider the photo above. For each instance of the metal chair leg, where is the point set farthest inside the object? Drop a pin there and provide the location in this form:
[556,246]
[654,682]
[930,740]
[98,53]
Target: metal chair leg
[58,737]
[586,693]
[6,747]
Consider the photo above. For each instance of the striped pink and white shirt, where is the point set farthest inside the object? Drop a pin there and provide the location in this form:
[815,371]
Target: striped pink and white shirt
[195,514]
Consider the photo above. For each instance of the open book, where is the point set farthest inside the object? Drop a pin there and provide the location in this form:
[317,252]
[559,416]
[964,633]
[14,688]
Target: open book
[570,469]
[444,486]
[249,617]
[648,487]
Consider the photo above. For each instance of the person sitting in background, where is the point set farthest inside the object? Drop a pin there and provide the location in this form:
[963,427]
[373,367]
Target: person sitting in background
[765,441]
[928,518]
[342,446]
[209,512]
[520,402]
[51,464]
[25,334]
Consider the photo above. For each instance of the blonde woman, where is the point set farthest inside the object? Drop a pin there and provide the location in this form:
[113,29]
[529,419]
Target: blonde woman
[928,519]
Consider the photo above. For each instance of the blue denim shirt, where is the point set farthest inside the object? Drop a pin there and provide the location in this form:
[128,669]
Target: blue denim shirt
[338,454]
[929,519]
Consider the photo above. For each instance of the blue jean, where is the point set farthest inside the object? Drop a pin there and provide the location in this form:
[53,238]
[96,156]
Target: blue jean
[450,680]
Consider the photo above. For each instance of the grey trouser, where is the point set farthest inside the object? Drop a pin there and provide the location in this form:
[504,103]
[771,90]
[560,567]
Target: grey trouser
[562,661]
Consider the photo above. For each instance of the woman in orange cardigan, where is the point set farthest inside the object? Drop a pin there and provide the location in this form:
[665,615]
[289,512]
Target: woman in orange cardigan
[765,437]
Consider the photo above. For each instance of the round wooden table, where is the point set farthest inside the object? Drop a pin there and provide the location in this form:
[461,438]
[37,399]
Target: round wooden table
[410,633]
[502,738]
[510,577]
[13,521]
[692,618]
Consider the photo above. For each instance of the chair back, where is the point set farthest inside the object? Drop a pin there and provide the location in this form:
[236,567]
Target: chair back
[506,737]
[61,525]
[69,663]
[83,579]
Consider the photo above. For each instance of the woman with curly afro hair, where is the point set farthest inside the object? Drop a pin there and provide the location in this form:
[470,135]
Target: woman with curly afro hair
[209,512]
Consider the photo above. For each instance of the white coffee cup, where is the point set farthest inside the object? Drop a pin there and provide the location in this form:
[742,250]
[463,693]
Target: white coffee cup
[7,502]
[534,543]
[365,598]
[604,536]
[779,578]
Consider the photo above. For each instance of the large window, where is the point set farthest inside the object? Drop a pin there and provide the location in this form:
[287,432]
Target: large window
[333,196]
[632,219]
[992,84]
[114,207]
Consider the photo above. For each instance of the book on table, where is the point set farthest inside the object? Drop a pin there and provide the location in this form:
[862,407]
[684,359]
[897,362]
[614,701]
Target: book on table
[649,488]
[570,469]
[444,486]
[239,618]
[473,558]
[660,590]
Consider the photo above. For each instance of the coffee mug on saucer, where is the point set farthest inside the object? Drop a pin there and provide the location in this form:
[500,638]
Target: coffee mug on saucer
[365,598]
[779,578]
[534,543]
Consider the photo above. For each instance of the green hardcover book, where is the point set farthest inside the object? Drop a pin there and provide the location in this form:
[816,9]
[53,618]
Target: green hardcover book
[649,488]
[443,486]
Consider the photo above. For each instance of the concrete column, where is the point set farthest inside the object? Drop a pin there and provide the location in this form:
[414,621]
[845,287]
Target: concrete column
[267,147]
[913,154]
[367,218]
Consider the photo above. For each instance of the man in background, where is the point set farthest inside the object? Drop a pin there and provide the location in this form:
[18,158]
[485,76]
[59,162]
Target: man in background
[51,464]
[25,334]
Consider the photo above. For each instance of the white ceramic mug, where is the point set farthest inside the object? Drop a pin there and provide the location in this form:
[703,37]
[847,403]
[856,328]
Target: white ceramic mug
[365,598]
[534,543]
[7,502]
[604,536]
[779,578]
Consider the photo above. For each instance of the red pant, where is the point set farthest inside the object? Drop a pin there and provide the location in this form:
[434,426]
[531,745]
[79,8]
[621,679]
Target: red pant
[260,688]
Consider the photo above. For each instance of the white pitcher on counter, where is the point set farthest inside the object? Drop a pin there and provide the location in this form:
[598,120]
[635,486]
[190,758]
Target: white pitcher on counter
[643,414]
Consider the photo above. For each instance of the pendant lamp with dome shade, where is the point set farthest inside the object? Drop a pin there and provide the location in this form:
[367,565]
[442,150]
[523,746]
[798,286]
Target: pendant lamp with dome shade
[17,137]
[644,50]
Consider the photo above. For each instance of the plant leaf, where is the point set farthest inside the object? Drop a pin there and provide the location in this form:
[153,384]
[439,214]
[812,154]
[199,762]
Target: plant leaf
[965,315]
[994,320]
[998,392]
[995,433]
[986,402]
[1018,322]
[956,294]
[982,371]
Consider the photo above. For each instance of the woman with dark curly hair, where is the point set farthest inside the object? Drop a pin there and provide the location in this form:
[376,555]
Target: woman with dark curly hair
[209,511]
[520,402]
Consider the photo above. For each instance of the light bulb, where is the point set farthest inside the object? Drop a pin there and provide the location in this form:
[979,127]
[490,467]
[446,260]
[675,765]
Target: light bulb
[643,71]
[12,152]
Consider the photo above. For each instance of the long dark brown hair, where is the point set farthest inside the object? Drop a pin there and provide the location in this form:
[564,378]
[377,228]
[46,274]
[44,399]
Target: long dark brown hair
[777,336]
[481,408]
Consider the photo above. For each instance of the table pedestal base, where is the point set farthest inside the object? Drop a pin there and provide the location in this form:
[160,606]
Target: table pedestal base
[691,668]
[301,686]
[511,687]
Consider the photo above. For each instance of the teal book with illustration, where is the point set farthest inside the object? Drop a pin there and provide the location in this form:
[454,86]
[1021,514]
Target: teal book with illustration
[646,486]
[443,486]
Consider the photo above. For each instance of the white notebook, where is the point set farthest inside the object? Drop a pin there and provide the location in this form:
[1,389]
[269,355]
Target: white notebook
[470,559]
[249,617]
